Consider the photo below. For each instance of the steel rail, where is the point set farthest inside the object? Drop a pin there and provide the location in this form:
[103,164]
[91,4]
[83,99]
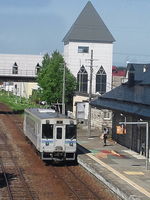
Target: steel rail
[78,178]
[77,194]
[6,180]
[67,184]
[21,176]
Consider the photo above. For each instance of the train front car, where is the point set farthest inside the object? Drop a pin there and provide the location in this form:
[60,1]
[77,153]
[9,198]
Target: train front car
[59,139]
[52,134]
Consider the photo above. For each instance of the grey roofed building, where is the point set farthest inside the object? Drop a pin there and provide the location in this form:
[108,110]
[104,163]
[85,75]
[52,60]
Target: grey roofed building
[89,27]
[134,99]
[139,69]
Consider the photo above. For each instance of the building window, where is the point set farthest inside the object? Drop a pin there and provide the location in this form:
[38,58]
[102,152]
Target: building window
[15,68]
[82,79]
[107,115]
[83,49]
[101,78]
[37,68]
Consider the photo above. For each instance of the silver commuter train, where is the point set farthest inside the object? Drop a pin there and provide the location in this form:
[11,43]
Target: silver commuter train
[52,134]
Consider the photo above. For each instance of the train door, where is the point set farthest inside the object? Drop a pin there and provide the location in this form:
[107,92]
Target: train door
[59,137]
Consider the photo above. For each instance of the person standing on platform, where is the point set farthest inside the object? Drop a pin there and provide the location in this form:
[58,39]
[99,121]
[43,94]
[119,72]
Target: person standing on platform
[105,135]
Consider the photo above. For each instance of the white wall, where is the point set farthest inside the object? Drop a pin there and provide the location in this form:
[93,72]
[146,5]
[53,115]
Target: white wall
[24,62]
[78,98]
[26,66]
[102,53]
[24,89]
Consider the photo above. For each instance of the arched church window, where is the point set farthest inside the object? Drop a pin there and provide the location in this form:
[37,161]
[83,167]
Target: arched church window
[101,79]
[82,79]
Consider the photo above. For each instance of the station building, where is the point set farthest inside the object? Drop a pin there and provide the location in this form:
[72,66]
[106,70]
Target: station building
[130,102]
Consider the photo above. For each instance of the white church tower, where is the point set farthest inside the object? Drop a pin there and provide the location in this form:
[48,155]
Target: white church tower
[89,33]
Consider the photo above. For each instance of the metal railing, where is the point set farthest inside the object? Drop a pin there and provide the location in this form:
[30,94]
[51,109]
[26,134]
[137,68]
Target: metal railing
[19,72]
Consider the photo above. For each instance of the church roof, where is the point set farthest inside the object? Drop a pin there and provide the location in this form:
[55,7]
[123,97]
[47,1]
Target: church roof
[89,27]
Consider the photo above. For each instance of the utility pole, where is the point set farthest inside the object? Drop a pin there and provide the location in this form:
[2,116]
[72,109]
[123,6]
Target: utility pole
[90,94]
[63,93]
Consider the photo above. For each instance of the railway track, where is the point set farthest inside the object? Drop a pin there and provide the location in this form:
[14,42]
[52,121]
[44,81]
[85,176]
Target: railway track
[78,189]
[13,183]
[57,182]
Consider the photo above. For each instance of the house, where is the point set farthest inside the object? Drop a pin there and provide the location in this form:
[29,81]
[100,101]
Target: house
[118,74]
[88,44]
[130,102]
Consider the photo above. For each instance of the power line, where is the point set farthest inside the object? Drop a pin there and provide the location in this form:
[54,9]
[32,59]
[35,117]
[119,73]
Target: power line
[131,54]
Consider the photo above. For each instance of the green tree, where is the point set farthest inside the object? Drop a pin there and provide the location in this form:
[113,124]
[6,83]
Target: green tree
[50,80]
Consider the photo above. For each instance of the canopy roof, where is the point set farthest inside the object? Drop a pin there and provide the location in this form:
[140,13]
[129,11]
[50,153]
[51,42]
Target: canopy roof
[134,100]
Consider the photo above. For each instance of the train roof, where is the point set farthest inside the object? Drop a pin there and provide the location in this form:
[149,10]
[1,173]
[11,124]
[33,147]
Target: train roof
[45,113]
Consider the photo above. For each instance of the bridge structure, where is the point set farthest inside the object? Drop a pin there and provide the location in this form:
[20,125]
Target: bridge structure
[9,75]
[19,68]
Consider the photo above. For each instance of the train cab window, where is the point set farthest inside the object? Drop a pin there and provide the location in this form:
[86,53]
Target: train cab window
[70,131]
[59,133]
[47,131]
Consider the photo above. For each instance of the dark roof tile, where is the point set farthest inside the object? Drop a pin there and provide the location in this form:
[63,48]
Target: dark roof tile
[89,27]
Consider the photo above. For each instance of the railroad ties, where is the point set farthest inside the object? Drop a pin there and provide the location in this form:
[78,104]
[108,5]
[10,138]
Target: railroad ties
[12,181]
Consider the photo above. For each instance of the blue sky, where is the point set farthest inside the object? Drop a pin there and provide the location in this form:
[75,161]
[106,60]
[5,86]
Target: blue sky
[38,26]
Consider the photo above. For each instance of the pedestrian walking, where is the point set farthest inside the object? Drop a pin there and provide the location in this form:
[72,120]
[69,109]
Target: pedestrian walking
[105,135]
[143,148]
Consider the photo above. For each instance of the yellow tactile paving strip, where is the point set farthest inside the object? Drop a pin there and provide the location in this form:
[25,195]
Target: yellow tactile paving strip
[139,188]
[133,173]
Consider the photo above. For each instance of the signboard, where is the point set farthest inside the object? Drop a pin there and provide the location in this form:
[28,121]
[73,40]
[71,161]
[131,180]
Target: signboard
[120,130]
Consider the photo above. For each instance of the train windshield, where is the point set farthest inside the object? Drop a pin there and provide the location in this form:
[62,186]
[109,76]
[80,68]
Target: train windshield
[70,131]
[47,131]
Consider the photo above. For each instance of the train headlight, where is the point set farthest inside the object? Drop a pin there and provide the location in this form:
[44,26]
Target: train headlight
[47,143]
[71,122]
[71,144]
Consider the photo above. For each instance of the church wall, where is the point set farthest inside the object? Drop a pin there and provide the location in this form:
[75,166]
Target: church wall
[102,53]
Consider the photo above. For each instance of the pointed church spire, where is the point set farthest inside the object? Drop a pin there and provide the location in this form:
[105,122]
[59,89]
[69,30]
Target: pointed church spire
[89,27]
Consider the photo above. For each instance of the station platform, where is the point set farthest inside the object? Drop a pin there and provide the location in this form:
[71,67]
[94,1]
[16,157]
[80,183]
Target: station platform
[122,170]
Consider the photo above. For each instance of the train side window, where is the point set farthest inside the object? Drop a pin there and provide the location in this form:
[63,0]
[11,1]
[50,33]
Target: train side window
[59,133]
[47,131]
[70,131]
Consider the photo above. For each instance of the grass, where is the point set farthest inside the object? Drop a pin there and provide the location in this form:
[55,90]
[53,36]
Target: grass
[14,102]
